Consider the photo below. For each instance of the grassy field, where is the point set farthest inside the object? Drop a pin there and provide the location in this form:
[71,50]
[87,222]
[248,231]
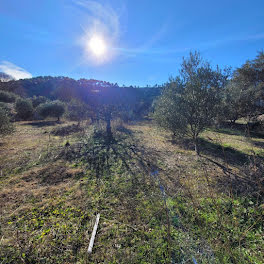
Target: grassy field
[159,202]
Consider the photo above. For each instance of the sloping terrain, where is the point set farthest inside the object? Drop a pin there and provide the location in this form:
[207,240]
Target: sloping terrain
[158,201]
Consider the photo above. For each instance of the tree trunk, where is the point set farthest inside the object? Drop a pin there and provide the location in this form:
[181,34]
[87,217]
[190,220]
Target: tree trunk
[233,121]
[196,146]
[109,130]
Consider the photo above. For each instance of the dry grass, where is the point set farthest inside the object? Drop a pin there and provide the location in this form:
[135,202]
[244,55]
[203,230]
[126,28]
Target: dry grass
[51,191]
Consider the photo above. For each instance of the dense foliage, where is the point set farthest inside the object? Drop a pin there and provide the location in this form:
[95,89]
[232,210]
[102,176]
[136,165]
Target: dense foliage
[7,97]
[244,95]
[37,100]
[191,102]
[5,125]
[24,109]
[51,109]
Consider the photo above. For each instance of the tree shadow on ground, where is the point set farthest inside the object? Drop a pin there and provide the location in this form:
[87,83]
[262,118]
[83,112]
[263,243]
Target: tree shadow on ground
[227,154]
[66,130]
[123,163]
[125,130]
[248,182]
[123,154]
[211,149]
[52,175]
[42,123]
[258,144]
[239,130]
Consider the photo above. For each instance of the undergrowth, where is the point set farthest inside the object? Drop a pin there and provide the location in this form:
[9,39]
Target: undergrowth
[144,219]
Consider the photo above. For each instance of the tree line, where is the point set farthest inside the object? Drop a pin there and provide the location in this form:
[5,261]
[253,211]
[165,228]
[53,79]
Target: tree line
[101,102]
[199,97]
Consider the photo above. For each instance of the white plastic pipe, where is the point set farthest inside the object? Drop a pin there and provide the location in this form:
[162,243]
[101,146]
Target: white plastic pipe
[90,248]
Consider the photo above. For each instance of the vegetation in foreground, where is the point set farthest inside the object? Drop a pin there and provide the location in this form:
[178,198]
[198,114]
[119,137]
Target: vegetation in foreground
[53,186]
[159,201]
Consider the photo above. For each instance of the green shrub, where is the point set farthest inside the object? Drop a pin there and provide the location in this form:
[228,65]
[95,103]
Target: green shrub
[51,109]
[7,97]
[24,109]
[5,125]
[5,107]
[37,100]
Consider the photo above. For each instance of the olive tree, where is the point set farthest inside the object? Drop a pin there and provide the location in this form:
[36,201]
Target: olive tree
[24,108]
[51,109]
[244,95]
[190,102]
[240,100]
[77,111]
[110,104]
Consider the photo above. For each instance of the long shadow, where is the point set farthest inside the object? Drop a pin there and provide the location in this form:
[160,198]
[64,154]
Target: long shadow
[258,144]
[239,130]
[125,130]
[51,175]
[248,182]
[211,149]
[124,154]
[42,123]
[227,154]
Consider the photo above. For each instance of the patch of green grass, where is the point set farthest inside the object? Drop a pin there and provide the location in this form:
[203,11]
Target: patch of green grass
[233,227]
[234,139]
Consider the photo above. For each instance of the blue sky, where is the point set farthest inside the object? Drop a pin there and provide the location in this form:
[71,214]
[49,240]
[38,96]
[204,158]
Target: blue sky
[145,39]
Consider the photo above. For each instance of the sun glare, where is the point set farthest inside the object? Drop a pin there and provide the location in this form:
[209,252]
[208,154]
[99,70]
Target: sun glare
[97,46]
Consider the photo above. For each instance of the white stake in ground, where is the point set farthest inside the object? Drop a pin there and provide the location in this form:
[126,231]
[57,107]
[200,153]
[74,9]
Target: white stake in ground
[90,248]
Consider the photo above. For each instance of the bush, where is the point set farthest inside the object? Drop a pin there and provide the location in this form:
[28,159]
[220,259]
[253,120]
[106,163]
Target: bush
[5,107]
[24,109]
[37,100]
[5,125]
[7,97]
[51,109]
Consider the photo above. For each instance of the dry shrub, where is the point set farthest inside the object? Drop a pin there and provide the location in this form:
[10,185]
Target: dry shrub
[253,173]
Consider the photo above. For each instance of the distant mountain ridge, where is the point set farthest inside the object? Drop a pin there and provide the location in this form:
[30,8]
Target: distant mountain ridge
[88,91]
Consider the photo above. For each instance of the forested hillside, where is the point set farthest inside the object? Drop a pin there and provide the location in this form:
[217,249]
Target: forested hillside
[65,89]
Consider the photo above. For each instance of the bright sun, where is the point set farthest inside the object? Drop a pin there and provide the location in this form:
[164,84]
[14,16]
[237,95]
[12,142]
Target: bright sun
[97,46]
